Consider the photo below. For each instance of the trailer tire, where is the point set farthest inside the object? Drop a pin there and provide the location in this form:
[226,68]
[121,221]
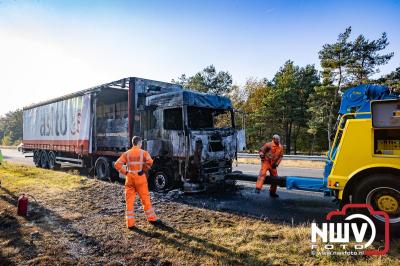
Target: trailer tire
[161,182]
[382,192]
[36,158]
[52,160]
[102,169]
[44,159]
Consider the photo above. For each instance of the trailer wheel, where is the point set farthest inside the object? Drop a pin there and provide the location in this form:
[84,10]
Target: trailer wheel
[52,160]
[44,159]
[382,192]
[102,168]
[161,182]
[36,158]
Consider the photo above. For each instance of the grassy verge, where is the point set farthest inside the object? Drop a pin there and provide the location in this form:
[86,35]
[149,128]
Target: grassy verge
[18,178]
[80,221]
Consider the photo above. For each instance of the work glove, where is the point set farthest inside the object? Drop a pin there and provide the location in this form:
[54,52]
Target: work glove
[275,165]
[141,172]
[262,156]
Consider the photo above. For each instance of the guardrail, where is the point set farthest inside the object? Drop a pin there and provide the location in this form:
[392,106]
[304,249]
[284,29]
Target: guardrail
[287,157]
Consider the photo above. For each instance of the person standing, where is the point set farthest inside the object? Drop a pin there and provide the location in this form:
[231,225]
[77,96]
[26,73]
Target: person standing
[271,154]
[137,161]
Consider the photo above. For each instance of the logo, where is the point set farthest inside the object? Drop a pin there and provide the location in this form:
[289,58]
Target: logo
[352,236]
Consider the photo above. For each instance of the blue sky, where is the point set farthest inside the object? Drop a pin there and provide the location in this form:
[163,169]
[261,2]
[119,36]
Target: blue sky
[49,48]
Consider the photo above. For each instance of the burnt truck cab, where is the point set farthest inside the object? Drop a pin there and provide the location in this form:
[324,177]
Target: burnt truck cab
[192,138]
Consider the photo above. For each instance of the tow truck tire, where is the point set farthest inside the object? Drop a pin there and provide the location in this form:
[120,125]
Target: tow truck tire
[161,182]
[36,158]
[44,159]
[382,192]
[102,169]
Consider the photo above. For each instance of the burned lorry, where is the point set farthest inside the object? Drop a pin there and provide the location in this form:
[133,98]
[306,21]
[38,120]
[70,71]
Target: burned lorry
[191,136]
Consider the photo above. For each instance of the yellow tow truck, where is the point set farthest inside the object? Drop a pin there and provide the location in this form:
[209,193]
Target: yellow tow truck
[363,164]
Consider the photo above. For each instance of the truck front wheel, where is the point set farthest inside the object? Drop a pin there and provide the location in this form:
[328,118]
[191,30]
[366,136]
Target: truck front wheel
[160,182]
[382,192]
[102,168]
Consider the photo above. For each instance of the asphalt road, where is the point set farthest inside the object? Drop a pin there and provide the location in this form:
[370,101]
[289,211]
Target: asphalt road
[293,206]
[15,156]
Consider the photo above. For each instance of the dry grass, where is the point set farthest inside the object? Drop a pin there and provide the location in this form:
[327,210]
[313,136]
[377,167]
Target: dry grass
[81,222]
[227,240]
[17,177]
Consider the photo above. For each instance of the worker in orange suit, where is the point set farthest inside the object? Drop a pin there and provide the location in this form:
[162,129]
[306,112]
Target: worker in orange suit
[137,161]
[271,155]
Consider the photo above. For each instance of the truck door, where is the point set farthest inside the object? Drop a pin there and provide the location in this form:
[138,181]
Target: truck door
[173,127]
[240,130]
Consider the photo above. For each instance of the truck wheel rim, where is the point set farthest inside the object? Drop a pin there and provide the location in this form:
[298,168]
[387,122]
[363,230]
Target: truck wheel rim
[385,199]
[388,204]
[160,181]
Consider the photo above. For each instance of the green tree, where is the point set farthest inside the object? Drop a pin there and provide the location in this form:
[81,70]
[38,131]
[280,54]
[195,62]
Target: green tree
[323,106]
[344,63]
[259,122]
[292,86]
[392,80]
[238,96]
[334,59]
[208,80]
[308,80]
[365,57]
[11,127]
[283,102]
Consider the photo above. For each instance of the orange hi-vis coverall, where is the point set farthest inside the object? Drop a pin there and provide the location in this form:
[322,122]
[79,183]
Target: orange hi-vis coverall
[273,154]
[136,160]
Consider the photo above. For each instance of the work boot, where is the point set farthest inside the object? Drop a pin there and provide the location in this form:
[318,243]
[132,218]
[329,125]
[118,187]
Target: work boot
[273,195]
[157,223]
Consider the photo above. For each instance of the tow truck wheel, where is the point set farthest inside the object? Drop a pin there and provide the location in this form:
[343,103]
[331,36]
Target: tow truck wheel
[382,192]
[102,168]
[161,182]
[44,159]
[36,158]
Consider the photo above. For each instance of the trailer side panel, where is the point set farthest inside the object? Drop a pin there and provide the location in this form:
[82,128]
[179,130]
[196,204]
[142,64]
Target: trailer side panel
[60,126]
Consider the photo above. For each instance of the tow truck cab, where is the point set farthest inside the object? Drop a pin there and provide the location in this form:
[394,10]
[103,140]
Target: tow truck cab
[363,165]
